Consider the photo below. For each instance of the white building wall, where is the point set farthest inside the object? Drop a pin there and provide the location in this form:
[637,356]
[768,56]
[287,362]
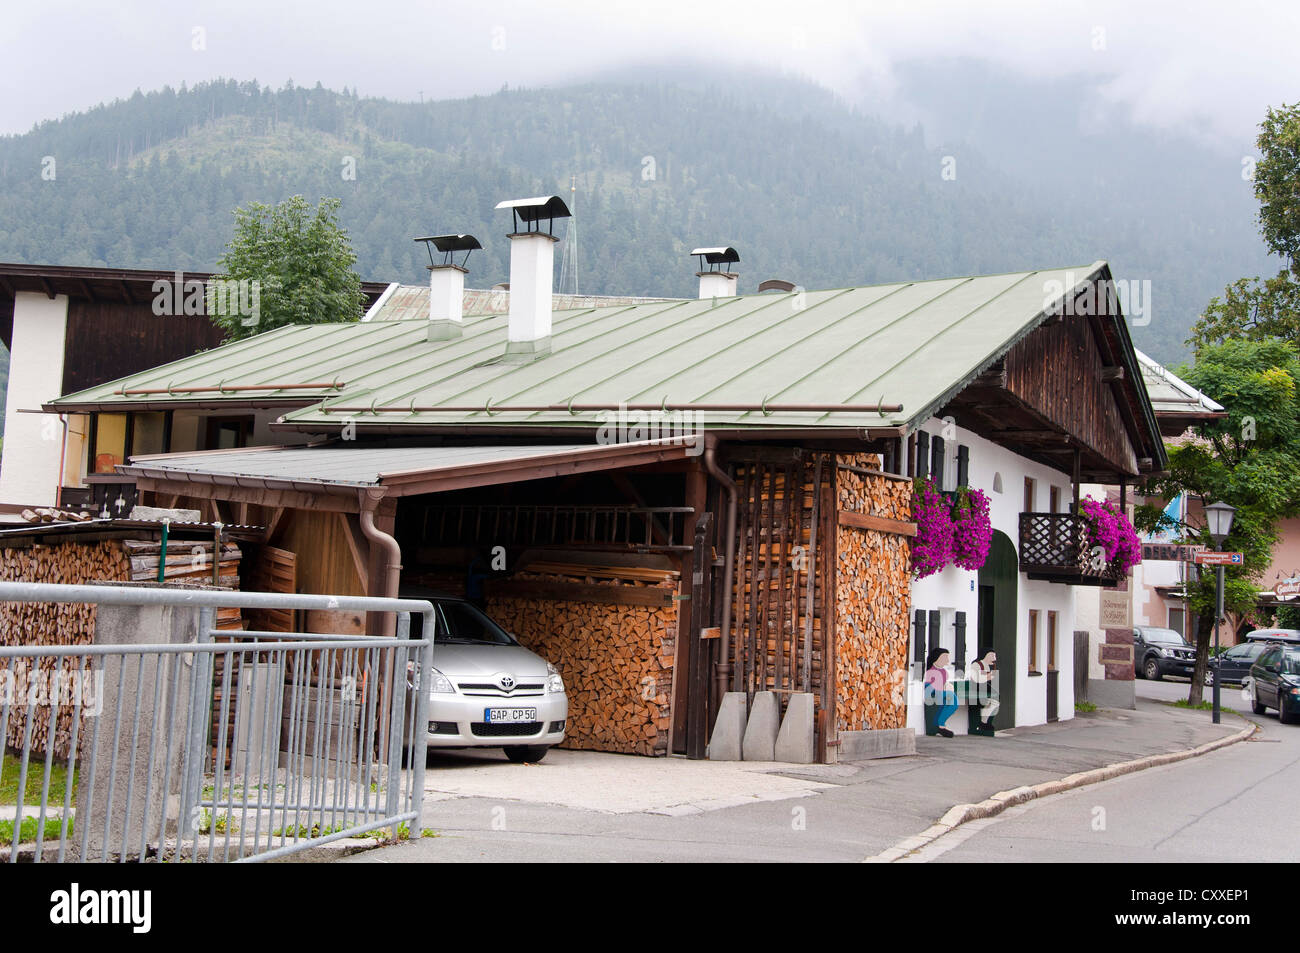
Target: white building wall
[33,443]
[956,589]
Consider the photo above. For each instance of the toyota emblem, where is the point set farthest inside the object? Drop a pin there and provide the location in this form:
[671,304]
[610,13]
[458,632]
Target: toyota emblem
[507,682]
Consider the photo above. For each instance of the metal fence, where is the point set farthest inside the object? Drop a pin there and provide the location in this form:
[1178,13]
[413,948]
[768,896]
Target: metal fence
[207,744]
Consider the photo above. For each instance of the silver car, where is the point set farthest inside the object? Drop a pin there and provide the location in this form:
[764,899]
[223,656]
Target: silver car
[486,690]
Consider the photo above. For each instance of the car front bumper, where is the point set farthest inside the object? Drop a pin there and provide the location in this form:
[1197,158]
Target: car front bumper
[1176,666]
[458,721]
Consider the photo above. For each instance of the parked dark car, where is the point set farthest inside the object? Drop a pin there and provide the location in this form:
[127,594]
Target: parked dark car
[1161,652]
[1275,682]
[1232,665]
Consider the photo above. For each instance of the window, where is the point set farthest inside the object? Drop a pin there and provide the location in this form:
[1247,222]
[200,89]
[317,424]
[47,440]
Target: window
[1029,495]
[108,446]
[227,433]
[1054,499]
[148,433]
[1051,639]
[1176,621]
[1033,640]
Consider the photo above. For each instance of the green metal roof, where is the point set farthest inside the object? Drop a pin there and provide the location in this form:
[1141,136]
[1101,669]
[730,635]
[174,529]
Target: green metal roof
[911,343]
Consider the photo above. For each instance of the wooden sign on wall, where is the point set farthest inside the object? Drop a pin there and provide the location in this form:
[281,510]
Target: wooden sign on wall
[1116,609]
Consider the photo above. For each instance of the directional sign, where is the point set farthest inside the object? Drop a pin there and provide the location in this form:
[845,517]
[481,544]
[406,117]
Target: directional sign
[1218,559]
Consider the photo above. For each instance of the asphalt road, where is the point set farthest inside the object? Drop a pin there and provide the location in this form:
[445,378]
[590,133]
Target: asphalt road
[1230,805]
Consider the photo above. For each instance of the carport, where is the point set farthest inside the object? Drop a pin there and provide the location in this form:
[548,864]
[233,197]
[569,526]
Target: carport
[583,551]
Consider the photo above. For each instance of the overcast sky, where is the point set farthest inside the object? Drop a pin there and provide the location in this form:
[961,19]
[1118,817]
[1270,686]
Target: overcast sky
[1206,67]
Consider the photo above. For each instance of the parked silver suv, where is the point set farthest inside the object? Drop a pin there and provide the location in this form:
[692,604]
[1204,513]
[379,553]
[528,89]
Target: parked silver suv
[486,690]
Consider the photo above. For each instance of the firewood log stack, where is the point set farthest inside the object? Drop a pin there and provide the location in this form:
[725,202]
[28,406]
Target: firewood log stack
[38,623]
[873,605]
[616,659]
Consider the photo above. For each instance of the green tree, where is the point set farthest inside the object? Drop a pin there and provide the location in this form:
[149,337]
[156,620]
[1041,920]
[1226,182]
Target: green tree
[291,264]
[1250,460]
[1255,307]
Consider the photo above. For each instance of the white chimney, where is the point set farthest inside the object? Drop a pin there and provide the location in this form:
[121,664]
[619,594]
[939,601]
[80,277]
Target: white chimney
[714,281]
[447,284]
[532,275]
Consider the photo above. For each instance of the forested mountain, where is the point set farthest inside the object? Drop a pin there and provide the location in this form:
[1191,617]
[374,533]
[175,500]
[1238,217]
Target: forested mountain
[808,188]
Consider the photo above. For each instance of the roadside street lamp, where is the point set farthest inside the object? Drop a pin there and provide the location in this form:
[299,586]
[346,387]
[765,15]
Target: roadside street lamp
[1218,520]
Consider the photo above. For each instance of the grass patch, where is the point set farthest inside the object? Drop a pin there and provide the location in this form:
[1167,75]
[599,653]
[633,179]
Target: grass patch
[1199,706]
[1084,706]
[35,778]
[27,833]
[303,832]
[429,832]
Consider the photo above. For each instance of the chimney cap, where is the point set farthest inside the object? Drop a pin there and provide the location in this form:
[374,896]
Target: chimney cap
[722,255]
[447,244]
[531,211]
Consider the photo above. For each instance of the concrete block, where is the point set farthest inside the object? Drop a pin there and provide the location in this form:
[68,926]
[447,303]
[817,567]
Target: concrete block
[729,729]
[147,693]
[1111,693]
[885,743]
[759,743]
[795,741]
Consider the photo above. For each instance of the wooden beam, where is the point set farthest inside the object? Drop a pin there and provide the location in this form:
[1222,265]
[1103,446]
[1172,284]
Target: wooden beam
[1109,374]
[291,499]
[881,524]
[49,292]
[357,544]
[274,525]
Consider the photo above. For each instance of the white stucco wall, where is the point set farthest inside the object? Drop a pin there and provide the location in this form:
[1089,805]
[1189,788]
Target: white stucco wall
[33,443]
[956,589]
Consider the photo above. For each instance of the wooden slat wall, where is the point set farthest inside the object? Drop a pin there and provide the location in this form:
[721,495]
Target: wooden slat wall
[773,562]
[324,561]
[1056,370]
[110,339]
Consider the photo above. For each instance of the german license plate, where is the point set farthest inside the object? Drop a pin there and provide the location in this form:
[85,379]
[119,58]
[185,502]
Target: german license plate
[508,716]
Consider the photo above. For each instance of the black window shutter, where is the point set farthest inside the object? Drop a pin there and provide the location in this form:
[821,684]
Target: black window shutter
[963,465]
[918,647]
[959,656]
[936,460]
[936,629]
[922,458]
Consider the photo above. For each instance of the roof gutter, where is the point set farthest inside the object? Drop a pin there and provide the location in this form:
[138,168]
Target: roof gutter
[723,671]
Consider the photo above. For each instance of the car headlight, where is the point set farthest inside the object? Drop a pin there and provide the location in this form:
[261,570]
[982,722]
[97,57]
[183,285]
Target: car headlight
[554,683]
[439,684]
[1162,652]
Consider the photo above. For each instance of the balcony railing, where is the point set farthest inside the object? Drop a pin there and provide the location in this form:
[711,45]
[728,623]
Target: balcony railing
[1054,546]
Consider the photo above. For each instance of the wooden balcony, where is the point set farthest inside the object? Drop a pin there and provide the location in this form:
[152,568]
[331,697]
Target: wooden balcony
[1053,546]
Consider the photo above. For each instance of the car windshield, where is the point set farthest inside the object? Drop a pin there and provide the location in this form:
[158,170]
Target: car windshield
[1163,635]
[464,623]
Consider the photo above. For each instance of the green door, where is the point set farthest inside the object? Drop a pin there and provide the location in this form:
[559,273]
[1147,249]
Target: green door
[998,581]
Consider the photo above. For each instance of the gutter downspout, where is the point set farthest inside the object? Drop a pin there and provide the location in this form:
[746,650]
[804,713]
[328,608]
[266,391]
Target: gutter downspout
[728,560]
[370,499]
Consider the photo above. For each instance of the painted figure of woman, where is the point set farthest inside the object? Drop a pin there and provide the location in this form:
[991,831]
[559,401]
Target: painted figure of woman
[937,691]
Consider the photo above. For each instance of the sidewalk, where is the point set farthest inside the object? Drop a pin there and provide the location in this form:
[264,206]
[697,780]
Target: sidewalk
[588,807]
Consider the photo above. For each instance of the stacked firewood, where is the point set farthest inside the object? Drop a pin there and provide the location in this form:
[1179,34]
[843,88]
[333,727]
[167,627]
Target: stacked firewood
[42,623]
[873,607]
[616,659]
[50,514]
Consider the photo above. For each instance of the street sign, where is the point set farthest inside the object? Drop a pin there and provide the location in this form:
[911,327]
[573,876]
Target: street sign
[1218,559]
[1287,589]
[1169,552]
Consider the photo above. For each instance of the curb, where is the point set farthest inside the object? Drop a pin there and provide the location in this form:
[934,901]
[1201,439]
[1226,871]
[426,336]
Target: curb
[992,806]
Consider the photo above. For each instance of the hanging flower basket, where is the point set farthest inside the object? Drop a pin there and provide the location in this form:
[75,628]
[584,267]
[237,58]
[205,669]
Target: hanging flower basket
[972,528]
[1106,526]
[932,548]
